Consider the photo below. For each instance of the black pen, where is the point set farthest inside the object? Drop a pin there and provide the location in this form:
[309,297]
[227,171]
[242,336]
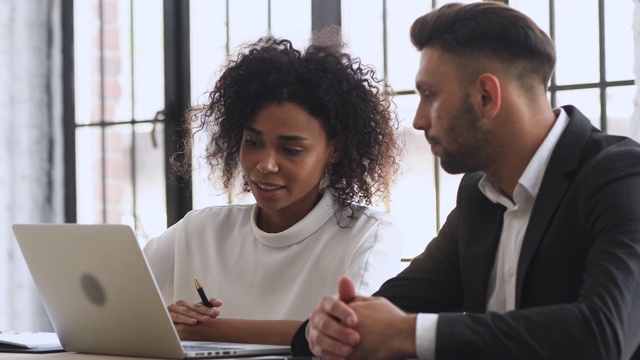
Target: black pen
[203,296]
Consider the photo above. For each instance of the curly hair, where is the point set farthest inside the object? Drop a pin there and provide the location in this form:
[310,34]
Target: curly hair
[353,106]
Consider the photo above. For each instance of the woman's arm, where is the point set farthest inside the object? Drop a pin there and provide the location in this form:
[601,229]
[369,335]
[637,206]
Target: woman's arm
[276,332]
[194,321]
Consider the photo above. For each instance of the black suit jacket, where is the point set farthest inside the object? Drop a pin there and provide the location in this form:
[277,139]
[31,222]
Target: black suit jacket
[578,278]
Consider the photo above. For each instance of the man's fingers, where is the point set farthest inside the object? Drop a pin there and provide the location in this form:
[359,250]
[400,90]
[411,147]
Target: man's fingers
[326,346]
[338,310]
[328,333]
[331,356]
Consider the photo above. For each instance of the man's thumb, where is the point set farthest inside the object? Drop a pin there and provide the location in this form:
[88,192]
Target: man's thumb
[346,289]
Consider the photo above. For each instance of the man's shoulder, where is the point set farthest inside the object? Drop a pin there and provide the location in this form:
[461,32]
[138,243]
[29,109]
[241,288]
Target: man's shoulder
[597,144]
[611,151]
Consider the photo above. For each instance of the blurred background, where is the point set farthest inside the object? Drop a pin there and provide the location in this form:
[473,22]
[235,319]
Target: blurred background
[93,93]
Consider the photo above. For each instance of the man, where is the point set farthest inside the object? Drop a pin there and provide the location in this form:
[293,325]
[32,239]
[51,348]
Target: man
[540,259]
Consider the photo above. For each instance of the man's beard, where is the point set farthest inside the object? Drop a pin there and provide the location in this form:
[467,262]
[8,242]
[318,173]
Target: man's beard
[469,142]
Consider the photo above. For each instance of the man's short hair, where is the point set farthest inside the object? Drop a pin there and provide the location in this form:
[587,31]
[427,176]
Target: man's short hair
[489,31]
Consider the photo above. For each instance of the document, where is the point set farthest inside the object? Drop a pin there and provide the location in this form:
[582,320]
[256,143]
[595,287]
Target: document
[27,341]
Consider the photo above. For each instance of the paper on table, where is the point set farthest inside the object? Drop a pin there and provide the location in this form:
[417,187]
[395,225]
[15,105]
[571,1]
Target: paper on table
[29,341]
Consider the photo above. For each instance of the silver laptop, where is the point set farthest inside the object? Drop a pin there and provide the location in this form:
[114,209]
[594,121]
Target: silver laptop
[101,297]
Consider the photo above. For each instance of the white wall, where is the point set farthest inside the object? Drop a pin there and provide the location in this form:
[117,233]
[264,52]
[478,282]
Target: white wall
[31,143]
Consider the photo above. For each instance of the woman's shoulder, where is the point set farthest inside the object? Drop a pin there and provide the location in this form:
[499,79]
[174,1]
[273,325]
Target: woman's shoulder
[218,213]
[355,215]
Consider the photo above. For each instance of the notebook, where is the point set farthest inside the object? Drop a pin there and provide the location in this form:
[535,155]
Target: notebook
[29,341]
[101,297]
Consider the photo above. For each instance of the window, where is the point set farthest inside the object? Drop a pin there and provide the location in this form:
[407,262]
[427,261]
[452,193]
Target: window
[594,72]
[595,57]
[135,72]
[119,88]
[212,43]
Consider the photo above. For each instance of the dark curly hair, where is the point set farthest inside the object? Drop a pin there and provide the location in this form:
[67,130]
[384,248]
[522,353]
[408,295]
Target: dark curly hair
[351,103]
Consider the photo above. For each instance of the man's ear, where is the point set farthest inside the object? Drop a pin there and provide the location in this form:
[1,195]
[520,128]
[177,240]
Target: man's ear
[490,95]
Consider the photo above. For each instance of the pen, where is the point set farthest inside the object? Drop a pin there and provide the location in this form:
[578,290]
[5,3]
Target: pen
[203,296]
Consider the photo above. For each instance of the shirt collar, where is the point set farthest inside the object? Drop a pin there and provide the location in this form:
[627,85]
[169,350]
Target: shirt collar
[531,178]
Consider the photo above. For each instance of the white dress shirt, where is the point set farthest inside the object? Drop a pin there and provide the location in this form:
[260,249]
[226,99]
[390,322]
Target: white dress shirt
[502,282]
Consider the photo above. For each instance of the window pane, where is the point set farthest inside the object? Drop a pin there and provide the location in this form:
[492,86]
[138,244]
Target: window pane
[587,101]
[208,58]
[117,59]
[362,31]
[537,10]
[87,88]
[148,58]
[619,109]
[619,40]
[208,33]
[117,177]
[151,205]
[577,42]
[105,182]
[448,191]
[129,63]
[89,174]
[248,20]
[291,19]
[104,179]
[413,200]
[402,57]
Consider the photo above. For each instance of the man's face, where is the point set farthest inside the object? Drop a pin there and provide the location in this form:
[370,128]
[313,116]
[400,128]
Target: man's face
[447,116]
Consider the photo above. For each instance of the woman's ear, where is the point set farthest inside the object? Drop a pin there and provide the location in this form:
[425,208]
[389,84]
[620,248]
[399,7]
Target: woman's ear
[490,99]
[334,153]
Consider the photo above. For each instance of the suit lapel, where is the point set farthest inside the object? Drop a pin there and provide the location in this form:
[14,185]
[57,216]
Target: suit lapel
[480,235]
[479,255]
[563,163]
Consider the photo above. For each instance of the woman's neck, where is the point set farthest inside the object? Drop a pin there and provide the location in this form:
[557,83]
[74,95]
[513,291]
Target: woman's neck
[279,221]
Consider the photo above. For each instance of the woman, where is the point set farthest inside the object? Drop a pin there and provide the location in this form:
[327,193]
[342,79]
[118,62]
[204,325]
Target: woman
[312,137]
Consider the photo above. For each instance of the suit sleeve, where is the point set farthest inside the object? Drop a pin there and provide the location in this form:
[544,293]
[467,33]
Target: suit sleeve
[299,343]
[431,282]
[603,322]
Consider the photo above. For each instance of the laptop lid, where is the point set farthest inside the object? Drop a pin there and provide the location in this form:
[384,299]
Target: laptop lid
[101,297]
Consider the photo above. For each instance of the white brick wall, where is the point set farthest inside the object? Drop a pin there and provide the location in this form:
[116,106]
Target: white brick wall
[30,145]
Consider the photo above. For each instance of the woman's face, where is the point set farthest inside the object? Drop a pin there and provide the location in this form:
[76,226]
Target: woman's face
[283,155]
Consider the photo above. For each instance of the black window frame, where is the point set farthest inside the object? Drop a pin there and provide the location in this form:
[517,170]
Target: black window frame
[179,194]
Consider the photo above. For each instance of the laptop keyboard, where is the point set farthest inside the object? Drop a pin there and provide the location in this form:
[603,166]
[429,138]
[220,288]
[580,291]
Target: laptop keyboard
[207,347]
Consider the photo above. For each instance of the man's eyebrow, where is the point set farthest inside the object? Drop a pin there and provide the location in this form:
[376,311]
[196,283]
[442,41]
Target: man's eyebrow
[280,137]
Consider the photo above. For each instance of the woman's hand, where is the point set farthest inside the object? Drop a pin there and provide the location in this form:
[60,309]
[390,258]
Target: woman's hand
[188,313]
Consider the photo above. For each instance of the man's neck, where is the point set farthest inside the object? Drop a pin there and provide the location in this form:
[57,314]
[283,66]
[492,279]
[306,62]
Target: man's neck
[523,134]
